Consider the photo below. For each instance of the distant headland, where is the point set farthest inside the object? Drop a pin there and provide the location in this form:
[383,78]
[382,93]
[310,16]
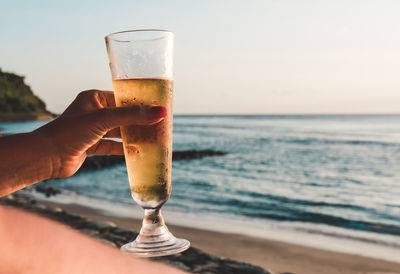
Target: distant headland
[18,102]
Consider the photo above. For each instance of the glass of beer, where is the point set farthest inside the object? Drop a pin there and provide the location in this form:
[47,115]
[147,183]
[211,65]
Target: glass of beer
[141,63]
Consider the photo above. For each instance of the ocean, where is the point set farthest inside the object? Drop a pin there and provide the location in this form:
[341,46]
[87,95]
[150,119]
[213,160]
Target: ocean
[333,178]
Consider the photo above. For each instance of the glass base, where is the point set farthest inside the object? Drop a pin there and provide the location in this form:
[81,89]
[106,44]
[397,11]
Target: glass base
[154,239]
[178,246]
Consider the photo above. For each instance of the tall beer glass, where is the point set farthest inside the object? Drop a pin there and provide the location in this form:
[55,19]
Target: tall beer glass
[141,63]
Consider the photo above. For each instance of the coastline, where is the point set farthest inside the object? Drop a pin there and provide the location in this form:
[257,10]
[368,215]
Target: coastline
[259,187]
[277,256]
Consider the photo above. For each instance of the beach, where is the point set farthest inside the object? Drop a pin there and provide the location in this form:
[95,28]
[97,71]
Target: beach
[276,256]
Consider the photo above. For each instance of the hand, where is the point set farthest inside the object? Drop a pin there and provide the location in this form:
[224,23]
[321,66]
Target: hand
[78,132]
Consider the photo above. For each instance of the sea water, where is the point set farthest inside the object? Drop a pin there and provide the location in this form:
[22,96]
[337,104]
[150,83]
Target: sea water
[334,176]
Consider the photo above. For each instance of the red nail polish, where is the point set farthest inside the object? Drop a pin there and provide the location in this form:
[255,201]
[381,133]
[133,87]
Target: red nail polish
[158,111]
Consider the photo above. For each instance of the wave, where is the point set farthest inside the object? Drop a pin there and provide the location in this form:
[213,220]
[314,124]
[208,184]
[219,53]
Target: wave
[286,200]
[314,141]
[285,209]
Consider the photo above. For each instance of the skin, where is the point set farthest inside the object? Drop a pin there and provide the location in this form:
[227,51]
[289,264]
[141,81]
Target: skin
[58,149]
[32,244]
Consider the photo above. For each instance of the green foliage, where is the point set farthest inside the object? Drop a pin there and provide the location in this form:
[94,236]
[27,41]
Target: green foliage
[17,97]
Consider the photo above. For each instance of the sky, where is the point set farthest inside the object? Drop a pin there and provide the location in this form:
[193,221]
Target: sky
[231,57]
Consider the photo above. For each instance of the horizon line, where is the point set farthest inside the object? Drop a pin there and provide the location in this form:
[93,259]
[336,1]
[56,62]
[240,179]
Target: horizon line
[287,114]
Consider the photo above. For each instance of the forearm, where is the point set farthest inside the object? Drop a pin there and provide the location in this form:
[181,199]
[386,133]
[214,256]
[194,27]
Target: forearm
[32,244]
[24,160]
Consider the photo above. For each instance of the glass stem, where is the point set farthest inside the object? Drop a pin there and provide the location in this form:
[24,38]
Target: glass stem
[153,229]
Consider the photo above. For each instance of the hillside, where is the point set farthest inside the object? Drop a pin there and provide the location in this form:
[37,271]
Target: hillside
[17,100]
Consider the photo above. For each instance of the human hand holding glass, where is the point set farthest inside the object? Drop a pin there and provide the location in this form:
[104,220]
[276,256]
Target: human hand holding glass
[59,148]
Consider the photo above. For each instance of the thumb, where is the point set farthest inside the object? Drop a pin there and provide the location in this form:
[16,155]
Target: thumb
[123,116]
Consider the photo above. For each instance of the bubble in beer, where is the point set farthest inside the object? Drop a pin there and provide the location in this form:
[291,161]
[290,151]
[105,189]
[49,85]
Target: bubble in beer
[147,148]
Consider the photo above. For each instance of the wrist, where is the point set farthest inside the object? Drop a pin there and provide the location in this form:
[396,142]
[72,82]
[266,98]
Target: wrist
[47,163]
[41,155]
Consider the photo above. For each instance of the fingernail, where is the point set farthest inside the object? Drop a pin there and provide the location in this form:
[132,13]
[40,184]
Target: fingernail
[158,111]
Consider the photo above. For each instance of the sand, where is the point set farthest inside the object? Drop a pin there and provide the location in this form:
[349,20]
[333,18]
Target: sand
[278,257]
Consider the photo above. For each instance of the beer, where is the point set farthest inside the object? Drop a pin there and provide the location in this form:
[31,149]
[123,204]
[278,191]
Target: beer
[148,149]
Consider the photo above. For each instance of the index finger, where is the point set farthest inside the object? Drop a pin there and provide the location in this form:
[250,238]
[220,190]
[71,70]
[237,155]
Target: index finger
[105,98]
[91,100]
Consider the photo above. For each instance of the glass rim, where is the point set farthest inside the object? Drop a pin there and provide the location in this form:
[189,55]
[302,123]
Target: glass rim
[109,36]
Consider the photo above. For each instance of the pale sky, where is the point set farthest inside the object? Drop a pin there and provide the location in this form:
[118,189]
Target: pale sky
[252,57]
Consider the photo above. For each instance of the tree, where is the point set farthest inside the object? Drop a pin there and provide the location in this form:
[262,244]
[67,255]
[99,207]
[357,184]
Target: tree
[18,97]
